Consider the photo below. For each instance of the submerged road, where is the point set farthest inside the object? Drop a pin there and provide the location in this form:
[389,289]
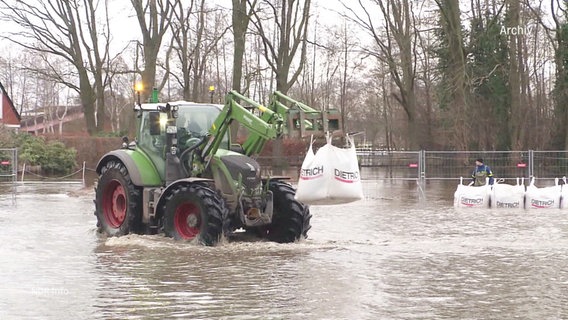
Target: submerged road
[398,254]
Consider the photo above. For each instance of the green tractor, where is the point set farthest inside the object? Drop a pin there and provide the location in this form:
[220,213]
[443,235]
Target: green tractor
[185,177]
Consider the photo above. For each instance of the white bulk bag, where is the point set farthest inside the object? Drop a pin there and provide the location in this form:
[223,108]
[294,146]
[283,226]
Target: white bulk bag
[331,176]
[472,197]
[312,181]
[564,195]
[508,196]
[543,198]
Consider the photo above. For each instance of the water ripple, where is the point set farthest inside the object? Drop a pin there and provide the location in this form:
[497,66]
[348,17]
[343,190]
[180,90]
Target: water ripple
[390,256]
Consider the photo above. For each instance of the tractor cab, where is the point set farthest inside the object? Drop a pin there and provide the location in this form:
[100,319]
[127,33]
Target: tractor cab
[192,123]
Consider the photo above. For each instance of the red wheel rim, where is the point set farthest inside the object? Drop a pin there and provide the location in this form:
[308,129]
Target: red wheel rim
[114,204]
[187,220]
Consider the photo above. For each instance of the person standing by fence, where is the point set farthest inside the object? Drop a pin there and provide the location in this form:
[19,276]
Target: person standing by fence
[480,173]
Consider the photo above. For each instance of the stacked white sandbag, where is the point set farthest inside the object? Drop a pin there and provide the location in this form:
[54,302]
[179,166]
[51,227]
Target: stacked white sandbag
[472,196]
[508,196]
[543,198]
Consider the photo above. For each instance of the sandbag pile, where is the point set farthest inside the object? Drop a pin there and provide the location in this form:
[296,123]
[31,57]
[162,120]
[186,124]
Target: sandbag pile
[515,196]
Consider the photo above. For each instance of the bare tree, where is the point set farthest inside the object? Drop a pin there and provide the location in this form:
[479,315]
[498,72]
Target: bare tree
[291,20]
[60,115]
[540,55]
[426,78]
[242,12]
[182,44]
[397,48]
[454,77]
[257,76]
[118,95]
[558,38]
[337,69]
[349,67]
[197,31]
[154,18]
[515,58]
[68,29]
[15,78]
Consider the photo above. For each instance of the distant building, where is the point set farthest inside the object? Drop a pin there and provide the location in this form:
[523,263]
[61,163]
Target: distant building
[41,119]
[9,116]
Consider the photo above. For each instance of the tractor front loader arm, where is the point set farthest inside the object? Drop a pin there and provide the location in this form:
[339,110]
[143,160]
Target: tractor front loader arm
[266,126]
[301,120]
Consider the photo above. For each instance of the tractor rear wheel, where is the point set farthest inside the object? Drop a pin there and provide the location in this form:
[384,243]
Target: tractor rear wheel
[291,218]
[117,201]
[194,211]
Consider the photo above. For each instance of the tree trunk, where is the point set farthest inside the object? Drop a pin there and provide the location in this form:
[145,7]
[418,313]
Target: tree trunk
[514,76]
[455,73]
[153,30]
[241,18]
[88,102]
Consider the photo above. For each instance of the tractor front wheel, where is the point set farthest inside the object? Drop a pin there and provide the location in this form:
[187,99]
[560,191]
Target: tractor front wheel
[117,201]
[291,218]
[193,211]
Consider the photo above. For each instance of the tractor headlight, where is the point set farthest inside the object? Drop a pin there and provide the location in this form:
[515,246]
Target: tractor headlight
[163,120]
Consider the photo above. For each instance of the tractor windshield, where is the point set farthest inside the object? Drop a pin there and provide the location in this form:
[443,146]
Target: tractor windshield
[197,119]
[194,121]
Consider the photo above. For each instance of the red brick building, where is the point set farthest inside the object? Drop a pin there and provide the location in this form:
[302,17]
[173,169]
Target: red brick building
[9,116]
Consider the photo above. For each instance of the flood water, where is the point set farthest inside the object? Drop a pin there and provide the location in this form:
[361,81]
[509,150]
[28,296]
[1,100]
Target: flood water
[399,254]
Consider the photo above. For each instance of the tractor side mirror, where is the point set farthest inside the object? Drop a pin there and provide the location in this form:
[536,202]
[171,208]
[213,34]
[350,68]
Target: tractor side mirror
[155,128]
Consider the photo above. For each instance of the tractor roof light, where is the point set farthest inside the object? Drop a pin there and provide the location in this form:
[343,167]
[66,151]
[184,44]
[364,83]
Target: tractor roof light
[138,87]
[211,92]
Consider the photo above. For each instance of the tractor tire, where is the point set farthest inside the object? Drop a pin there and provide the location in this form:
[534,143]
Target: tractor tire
[194,211]
[291,218]
[118,203]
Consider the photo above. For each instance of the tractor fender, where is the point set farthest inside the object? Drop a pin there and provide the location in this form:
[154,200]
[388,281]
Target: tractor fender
[141,170]
[174,184]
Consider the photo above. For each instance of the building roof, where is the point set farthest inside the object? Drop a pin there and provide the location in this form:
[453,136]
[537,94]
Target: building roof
[5,96]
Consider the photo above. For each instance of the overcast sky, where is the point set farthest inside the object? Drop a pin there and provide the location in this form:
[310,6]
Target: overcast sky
[125,26]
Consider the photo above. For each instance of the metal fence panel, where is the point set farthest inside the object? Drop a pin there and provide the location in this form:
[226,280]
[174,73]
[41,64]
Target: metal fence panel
[405,165]
[449,165]
[8,164]
[549,164]
[455,164]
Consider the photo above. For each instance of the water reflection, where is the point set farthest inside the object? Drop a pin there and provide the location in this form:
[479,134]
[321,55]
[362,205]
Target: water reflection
[233,280]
